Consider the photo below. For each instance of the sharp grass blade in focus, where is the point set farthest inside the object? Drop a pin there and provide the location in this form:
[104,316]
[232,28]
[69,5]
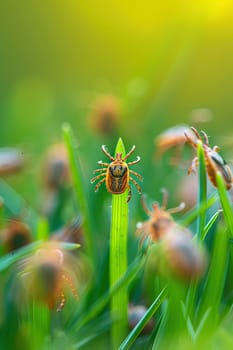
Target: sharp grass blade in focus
[118,261]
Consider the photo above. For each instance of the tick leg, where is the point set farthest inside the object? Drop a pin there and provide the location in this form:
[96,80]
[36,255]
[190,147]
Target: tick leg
[136,174]
[135,161]
[129,153]
[99,170]
[189,140]
[143,233]
[69,281]
[165,198]
[136,184]
[62,302]
[107,153]
[97,177]
[196,132]
[144,237]
[194,166]
[129,194]
[146,209]
[99,183]
[205,137]
[180,207]
[102,163]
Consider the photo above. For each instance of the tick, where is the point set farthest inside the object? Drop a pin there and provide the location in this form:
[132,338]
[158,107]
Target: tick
[214,162]
[116,174]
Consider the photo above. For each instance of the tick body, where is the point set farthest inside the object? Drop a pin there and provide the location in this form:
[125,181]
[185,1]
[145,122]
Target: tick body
[214,162]
[116,174]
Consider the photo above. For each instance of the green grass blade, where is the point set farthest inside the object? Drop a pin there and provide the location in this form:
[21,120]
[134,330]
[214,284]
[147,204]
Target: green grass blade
[1,211]
[118,261]
[9,259]
[141,324]
[202,190]
[212,293]
[42,232]
[210,223]
[78,185]
[1,222]
[225,202]
[37,322]
[202,205]
[17,206]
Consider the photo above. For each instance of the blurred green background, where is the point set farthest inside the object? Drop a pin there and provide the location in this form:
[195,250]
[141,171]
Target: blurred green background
[162,59]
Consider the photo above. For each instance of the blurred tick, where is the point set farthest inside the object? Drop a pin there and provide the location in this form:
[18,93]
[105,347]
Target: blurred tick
[214,162]
[117,174]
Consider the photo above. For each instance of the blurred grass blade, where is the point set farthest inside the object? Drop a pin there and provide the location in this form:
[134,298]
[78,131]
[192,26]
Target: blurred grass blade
[11,258]
[142,323]
[202,323]
[190,303]
[202,190]
[17,206]
[81,197]
[36,321]
[225,202]
[98,327]
[1,211]
[69,246]
[42,232]
[1,223]
[212,292]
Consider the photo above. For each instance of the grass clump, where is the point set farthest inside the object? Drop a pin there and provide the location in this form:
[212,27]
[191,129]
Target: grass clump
[112,272]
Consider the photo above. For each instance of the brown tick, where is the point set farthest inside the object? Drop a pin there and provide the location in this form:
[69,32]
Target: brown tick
[214,162]
[117,174]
